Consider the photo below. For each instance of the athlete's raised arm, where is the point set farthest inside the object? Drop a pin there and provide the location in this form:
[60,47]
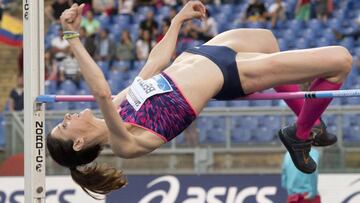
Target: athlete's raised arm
[93,76]
[161,54]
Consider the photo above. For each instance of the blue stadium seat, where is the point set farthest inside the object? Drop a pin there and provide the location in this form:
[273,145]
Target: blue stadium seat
[353,134]
[114,86]
[241,135]
[357,50]
[295,25]
[123,20]
[202,135]
[121,65]
[271,122]
[61,106]
[164,10]
[104,66]
[50,87]
[249,122]
[334,23]
[82,105]
[203,123]
[226,8]
[256,25]
[329,35]
[323,42]
[139,65]
[283,45]
[263,134]
[139,17]
[302,43]
[289,120]
[261,103]
[329,119]
[221,18]
[84,86]
[216,135]
[239,103]
[68,86]
[309,34]
[289,35]
[144,10]
[315,25]
[348,43]
[104,20]
[217,104]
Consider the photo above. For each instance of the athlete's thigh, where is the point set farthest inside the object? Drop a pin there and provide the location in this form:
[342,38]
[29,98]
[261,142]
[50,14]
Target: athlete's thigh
[247,40]
[264,71]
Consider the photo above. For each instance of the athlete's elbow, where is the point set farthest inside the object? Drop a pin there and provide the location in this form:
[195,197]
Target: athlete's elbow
[126,152]
[102,93]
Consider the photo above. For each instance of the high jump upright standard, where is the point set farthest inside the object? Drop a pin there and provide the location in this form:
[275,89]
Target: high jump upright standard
[34,124]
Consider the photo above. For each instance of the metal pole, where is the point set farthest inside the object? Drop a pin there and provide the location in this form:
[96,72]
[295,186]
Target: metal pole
[34,145]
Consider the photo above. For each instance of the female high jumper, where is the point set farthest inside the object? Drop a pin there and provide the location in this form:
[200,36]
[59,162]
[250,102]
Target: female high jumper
[161,103]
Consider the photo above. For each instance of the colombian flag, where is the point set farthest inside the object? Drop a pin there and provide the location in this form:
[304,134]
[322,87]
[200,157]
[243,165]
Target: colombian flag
[11,31]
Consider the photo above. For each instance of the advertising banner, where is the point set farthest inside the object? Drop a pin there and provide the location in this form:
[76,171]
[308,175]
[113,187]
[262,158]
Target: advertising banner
[59,189]
[339,188]
[333,188]
[201,189]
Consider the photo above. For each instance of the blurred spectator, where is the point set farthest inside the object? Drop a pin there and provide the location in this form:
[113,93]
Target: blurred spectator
[277,11]
[87,41]
[301,187]
[51,69]
[170,2]
[172,13]
[54,11]
[146,3]
[149,24]
[324,8]
[191,135]
[144,45]
[20,62]
[105,47]
[187,36]
[303,10]
[88,5]
[59,47]
[16,99]
[105,7]
[69,70]
[90,24]
[164,28]
[352,33]
[1,9]
[208,28]
[126,6]
[125,48]
[256,11]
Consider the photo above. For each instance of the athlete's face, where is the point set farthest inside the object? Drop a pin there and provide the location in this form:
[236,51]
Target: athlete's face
[74,125]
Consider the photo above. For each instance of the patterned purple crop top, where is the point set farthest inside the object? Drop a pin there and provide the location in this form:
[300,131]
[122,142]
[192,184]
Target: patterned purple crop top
[166,114]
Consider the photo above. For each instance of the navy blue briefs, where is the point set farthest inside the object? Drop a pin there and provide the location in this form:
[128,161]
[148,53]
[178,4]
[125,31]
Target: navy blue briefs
[225,58]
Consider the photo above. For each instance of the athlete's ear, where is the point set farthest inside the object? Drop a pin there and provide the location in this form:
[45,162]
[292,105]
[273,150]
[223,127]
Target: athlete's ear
[78,144]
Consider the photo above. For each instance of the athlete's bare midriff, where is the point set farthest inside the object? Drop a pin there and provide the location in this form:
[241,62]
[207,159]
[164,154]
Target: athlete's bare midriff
[197,77]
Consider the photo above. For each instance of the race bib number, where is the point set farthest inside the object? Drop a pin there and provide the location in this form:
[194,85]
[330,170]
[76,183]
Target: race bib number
[140,90]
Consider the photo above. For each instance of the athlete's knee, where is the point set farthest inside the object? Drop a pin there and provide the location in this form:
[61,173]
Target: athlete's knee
[343,60]
[268,40]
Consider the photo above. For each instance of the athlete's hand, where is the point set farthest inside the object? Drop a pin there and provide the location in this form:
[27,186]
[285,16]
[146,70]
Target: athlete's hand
[70,19]
[192,9]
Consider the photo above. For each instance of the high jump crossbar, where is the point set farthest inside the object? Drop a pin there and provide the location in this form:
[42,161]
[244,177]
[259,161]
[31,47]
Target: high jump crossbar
[255,96]
[34,124]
